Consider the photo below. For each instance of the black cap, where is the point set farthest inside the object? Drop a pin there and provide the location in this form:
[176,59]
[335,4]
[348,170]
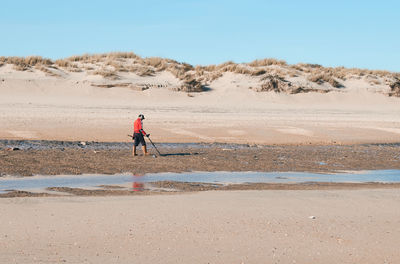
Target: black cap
[141,116]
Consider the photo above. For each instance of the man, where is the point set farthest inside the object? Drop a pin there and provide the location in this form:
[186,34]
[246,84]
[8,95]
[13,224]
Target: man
[138,134]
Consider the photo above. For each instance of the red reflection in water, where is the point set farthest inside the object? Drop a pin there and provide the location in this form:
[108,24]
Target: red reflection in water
[137,184]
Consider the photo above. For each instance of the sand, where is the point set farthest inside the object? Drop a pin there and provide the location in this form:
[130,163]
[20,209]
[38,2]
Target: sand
[210,227]
[61,158]
[36,106]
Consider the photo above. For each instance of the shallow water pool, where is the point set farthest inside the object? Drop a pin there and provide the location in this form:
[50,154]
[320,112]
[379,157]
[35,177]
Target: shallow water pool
[126,180]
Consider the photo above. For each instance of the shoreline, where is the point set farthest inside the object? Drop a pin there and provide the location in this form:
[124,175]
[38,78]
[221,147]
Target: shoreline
[179,188]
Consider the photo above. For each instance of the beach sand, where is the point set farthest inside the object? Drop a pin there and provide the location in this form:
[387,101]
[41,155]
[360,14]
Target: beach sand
[359,226]
[36,106]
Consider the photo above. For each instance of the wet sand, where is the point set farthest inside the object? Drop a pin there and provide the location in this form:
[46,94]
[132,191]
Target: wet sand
[55,158]
[60,158]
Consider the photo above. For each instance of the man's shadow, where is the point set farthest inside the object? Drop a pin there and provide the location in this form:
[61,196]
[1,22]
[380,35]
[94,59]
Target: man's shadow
[179,154]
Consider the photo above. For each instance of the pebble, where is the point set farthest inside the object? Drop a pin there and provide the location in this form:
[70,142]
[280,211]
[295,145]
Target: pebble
[312,217]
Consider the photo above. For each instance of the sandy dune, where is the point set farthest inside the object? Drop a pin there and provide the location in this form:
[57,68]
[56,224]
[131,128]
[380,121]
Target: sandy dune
[36,106]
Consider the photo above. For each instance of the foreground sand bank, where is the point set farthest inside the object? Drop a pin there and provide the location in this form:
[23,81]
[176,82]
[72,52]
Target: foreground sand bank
[358,226]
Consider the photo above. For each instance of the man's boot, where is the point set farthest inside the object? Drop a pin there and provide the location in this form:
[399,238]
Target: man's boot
[145,153]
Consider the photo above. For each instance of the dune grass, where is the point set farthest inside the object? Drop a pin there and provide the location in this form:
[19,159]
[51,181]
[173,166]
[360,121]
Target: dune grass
[320,78]
[193,79]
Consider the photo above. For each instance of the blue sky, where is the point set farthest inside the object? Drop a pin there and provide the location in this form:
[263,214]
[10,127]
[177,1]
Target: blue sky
[363,34]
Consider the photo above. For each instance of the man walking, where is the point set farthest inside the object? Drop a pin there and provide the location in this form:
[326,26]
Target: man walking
[138,135]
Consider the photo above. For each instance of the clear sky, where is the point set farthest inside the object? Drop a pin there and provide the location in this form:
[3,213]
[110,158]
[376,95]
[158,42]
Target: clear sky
[363,34]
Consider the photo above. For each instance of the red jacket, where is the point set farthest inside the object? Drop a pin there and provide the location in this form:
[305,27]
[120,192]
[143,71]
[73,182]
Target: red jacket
[138,127]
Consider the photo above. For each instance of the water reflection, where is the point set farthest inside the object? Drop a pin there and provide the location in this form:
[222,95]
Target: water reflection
[137,183]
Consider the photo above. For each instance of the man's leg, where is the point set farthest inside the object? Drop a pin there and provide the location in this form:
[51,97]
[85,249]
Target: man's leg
[134,151]
[144,148]
[135,144]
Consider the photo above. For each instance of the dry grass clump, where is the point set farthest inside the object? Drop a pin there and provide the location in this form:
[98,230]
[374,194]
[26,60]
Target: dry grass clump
[306,67]
[208,68]
[344,73]
[122,55]
[240,69]
[208,77]
[93,58]
[321,78]
[215,71]
[235,68]
[20,67]
[365,72]
[77,58]
[47,70]
[267,62]
[395,88]
[142,70]
[225,64]
[180,70]
[74,68]
[258,72]
[338,72]
[63,63]
[156,62]
[119,67]
[35,60]
[111,75]
[207,74]
[69,66]
[191,85]
[277,84]
[274,83]
[25,63]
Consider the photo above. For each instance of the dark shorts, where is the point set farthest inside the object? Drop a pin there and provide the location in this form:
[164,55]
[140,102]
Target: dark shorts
[138,138]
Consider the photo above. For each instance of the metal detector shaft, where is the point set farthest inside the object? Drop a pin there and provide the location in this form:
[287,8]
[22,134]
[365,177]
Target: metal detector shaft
[154,146]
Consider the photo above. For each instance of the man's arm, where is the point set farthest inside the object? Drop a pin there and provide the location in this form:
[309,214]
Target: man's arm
[144,133]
